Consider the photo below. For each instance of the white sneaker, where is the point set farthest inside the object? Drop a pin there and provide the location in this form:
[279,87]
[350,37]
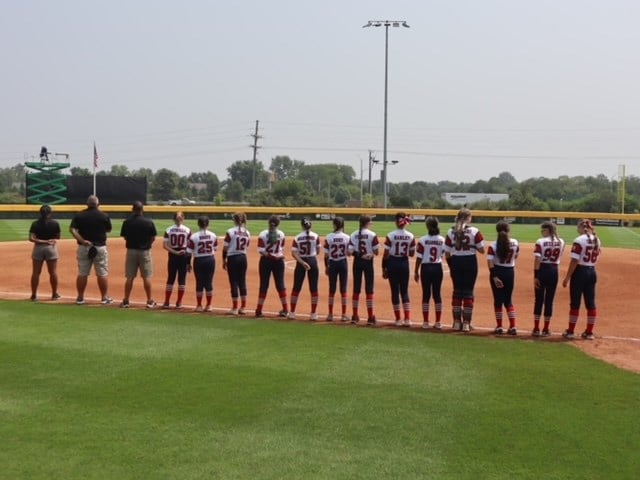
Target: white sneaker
[437,326]
[398,323]
[199,308]
[425,325]
[233,311]
[466,327]
[207,308]
[241,311]
[291,315]
[457,325]
[407,323]
[313,317]
[344,318]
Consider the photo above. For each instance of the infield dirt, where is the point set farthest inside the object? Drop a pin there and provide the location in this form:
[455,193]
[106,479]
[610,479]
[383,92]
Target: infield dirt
[618,297]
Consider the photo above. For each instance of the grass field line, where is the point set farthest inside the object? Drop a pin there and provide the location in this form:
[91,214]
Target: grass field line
[627,229]
[188,309]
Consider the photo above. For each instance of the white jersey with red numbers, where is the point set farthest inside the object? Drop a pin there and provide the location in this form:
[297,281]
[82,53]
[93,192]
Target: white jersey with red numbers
[549,250]
[177,236]
[306,244]
[430,249]
[336,246]
[202,243]
[271,243]
[236,241]
[364,242]
[510,261]
[400,243]
[472,240]
[586,250]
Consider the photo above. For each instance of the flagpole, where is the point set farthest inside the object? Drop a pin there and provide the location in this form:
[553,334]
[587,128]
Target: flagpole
[95,164]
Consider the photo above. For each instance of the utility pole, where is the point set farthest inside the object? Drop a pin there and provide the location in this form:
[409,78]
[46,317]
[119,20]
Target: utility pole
[372,160]
[255,148]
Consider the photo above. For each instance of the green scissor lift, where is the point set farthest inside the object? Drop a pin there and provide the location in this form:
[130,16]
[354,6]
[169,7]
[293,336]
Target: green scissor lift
[47,185]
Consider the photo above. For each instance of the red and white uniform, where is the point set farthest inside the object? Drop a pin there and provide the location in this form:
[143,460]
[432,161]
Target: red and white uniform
[236,241]
[336,246]
[430,249]
[549,250]
[271,244]
[306,244]
[364,241]
[510,261]
[202,243]
[586,250]
[471,241]
[400,243]
[177,237]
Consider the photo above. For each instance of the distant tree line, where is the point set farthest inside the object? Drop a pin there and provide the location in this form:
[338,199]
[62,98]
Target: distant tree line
[290,182]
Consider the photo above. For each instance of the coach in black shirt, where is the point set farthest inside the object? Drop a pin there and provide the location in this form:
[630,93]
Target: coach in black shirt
[90,227]
[139,233]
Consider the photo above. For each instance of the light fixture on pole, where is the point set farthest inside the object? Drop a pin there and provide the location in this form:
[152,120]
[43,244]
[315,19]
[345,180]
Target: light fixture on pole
[386,24]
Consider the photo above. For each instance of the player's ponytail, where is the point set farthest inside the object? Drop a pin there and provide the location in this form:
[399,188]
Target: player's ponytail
[203,222]
[402,220]
[463,216]
[432,226]
[587,227]
[552,228]
[503,243]
[45,213]
[338,224]
[240,220]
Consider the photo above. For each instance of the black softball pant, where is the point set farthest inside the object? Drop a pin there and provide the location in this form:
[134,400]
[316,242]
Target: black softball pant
[237,273]
[464,272]
[300,273]
[503,296]
[268,267]
[362,268]
[583,284]
[338,270]
[204,268]
[177,267]
[431,279]
[548,278]
[398,270]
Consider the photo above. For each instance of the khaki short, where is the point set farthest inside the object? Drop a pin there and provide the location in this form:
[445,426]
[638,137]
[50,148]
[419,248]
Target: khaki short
[100,262]
[138,260]
[42,252]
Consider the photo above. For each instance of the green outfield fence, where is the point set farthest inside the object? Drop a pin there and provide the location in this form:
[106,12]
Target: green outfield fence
[8,211]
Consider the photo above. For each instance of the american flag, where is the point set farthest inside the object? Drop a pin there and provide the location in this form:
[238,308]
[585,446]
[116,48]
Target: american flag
[95,156]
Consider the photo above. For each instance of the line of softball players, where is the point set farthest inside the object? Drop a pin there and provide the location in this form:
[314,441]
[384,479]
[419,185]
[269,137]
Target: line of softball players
[460,248]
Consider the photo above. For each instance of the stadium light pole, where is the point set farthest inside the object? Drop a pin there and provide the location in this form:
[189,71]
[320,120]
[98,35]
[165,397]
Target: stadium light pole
[386,24]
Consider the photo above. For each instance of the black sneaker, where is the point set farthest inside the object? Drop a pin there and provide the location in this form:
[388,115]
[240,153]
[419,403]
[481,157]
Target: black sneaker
[55,296]
[512,331]
[124,304]
[259,314]
[588,336]
[371,321]
[283,313]
[498,330]
[355,319]
[546,332]
[33,298]
[536,332]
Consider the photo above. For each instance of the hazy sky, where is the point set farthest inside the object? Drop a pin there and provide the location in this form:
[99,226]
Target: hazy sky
[476,87]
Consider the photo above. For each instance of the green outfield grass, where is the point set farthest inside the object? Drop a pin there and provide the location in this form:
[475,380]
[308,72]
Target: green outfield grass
[11,230]
[86,394]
